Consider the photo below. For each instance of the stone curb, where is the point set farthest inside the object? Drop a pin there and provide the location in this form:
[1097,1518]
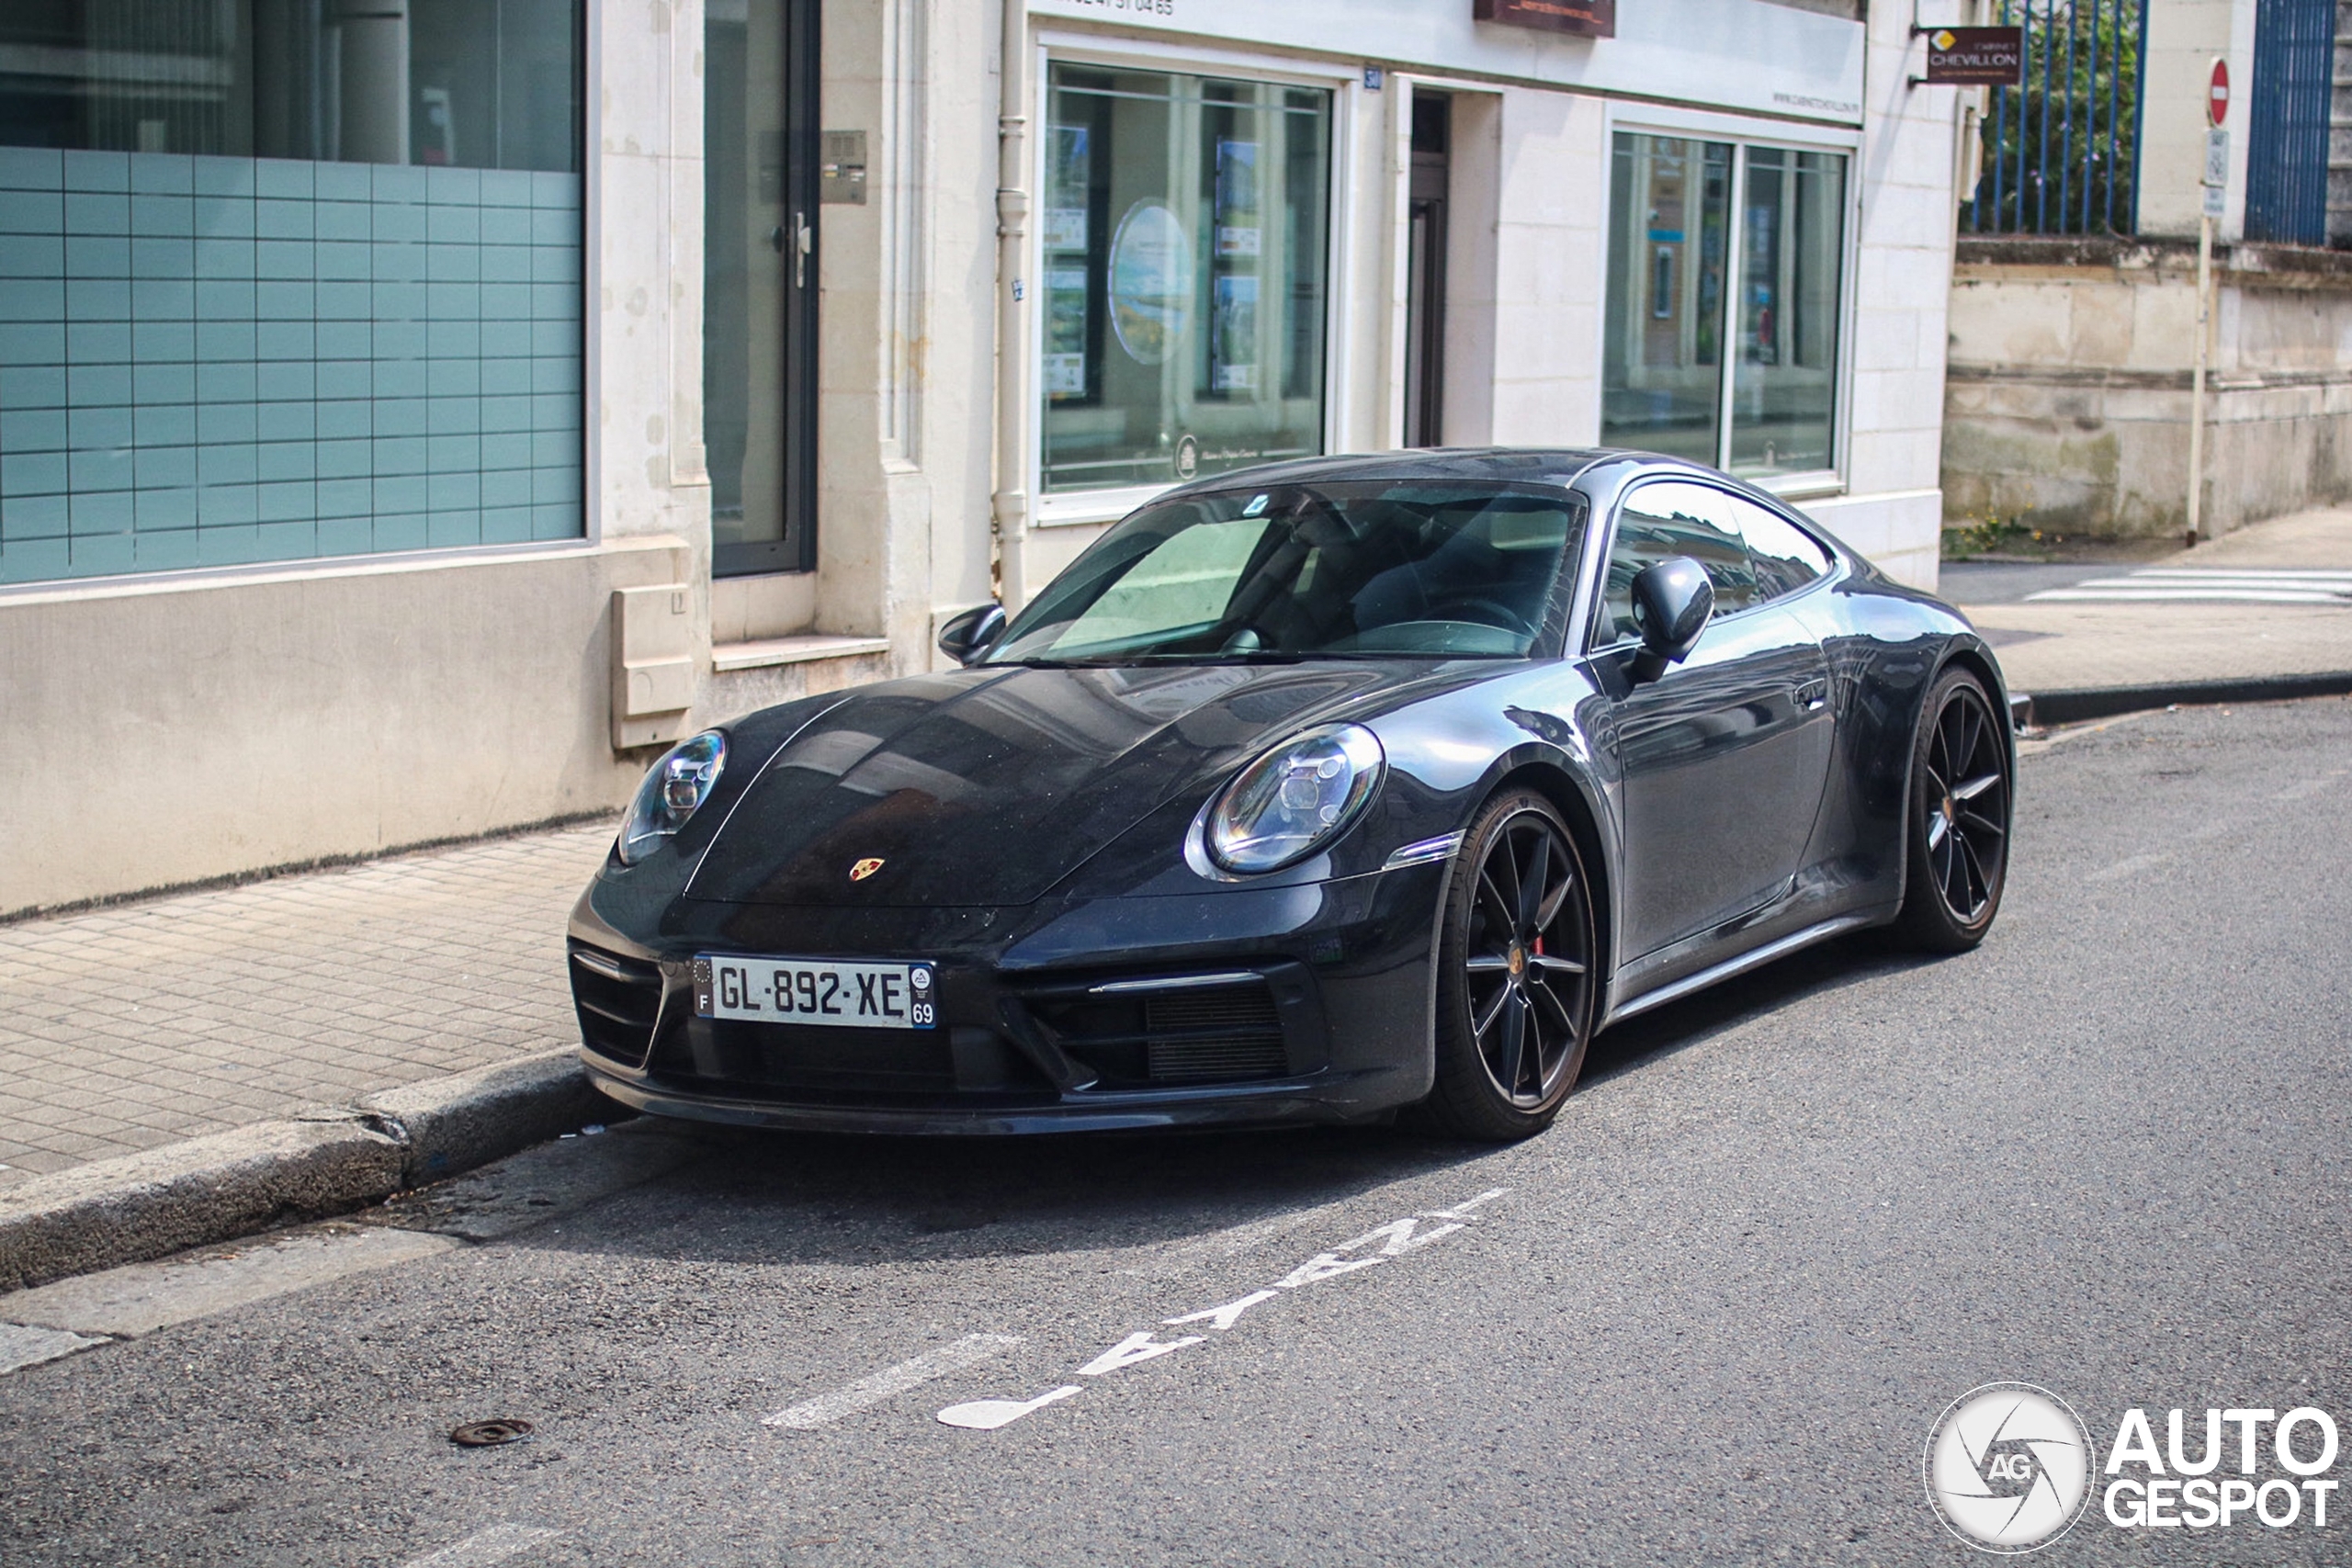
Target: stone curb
[134,1208]
[2106,702]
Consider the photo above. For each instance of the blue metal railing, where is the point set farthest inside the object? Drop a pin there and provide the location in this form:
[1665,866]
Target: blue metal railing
[2062,151]
[2286,154]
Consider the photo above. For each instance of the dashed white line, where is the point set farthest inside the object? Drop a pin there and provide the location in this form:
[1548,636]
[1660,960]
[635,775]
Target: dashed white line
[970,1350]
[484,1548]
[21,1346]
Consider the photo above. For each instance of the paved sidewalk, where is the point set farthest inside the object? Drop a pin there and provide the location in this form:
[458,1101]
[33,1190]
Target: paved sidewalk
[135,1025]
[2074,646]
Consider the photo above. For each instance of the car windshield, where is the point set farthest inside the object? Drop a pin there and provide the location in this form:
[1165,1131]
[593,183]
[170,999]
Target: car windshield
[1361,569]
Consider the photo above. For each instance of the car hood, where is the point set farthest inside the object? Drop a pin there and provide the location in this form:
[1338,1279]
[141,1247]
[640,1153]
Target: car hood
[991,785]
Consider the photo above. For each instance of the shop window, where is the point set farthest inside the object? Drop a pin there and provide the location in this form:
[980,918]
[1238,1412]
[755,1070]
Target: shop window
[1675,229]
[280,280]
[1184,231]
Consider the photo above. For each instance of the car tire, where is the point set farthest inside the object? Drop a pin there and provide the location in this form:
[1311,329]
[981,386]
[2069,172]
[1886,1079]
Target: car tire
[1517,978]
[1956,831]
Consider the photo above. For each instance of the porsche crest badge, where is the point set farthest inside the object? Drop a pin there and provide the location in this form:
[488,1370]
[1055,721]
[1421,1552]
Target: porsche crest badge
[863,869]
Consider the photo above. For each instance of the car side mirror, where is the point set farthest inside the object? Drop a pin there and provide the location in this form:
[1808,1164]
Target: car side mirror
[967,637]
[1672,600]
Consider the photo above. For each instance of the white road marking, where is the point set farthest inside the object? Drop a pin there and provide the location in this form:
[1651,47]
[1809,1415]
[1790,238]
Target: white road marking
[2249,585]
[987,1414]
[141,1298]
[1322,1265]
[1488,1196]
[1223,1317]
[1135,1347]
[970,1350]
[23,1346]
[1397,1235]
[1400,1236]
[483,1548]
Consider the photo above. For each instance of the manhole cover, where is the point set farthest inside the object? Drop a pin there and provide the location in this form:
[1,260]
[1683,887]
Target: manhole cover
[490,1434]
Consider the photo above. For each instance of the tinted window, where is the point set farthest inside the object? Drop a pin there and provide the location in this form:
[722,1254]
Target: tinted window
[1660,522]
[1783,557]
[1364,567]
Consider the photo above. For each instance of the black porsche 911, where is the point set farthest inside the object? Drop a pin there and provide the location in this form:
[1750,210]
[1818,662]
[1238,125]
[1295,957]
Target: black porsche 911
[1310,793]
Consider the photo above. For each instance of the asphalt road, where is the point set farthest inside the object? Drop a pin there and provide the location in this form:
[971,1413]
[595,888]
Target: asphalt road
[1709,1317]
[2005,582]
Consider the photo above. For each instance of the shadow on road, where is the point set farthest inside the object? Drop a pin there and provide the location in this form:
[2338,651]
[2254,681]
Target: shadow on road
[748,1197]
[1680,1025]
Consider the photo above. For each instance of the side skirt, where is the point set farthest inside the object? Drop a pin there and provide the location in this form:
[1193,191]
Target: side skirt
[1753,959]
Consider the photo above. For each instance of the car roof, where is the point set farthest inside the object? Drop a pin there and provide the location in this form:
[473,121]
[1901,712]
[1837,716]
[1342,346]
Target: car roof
[1521,464]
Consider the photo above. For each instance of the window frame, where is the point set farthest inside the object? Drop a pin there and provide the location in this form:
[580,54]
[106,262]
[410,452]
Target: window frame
[1596,602]
[1054,46]
[1744,133]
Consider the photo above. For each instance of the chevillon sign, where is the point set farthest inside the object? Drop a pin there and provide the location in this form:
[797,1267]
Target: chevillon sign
[1976,57]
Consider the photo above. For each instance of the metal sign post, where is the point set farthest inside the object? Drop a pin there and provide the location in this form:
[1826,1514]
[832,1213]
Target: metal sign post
[2217,190]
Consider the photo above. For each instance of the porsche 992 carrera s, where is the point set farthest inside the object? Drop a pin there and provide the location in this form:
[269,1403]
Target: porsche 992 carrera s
[1314,793]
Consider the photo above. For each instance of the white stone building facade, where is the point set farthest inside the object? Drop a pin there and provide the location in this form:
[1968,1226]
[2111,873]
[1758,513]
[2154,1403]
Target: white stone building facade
[841,371]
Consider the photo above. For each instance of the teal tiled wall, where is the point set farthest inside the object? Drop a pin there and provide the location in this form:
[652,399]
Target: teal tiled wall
[210,361]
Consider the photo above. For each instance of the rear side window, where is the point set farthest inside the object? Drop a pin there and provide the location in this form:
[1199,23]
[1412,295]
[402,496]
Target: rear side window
[1783,554]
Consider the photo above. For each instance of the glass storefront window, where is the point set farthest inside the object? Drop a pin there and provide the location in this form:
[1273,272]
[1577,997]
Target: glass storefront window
[287,278]
[1670,211]
[1185,232]
[1672,223]
[1784,392]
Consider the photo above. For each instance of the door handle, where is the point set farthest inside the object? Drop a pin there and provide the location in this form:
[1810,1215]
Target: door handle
[803,240]
[1813,695]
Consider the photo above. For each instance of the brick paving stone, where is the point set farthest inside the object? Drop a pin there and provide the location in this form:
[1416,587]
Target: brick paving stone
[133,1025]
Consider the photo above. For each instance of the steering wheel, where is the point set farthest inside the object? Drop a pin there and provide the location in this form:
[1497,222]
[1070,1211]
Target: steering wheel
[1482,612]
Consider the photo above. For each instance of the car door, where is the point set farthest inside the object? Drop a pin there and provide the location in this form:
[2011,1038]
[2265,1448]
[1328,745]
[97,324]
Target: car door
[1723,758]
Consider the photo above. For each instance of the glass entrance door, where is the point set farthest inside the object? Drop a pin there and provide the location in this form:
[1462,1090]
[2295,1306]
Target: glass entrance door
[760,88]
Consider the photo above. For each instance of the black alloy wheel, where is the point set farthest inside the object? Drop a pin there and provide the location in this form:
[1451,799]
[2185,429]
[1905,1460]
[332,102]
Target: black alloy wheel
[1959,818]
[1516,977]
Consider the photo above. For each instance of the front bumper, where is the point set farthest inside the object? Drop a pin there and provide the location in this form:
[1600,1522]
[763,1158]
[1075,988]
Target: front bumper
[1303,1004]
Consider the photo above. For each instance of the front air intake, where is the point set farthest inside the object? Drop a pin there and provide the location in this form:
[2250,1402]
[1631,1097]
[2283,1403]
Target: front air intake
[619,1000]
[1214,1036]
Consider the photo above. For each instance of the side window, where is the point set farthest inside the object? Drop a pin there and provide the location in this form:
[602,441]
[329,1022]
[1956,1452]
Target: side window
[1659,522]
[1784,559]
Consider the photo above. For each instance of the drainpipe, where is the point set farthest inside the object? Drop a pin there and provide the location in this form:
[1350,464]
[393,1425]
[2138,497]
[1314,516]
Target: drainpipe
[1010,505]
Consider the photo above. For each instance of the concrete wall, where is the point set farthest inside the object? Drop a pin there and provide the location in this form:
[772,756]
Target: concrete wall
[2068,403]
[157,736]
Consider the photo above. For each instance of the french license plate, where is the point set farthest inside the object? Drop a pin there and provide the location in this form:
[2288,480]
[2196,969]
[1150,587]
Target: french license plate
[817,991]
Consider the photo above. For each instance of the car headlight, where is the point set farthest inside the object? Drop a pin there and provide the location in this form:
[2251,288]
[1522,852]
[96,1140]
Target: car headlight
[672,792]
[1282,806]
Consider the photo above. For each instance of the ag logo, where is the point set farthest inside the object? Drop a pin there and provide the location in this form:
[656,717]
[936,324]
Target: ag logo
[2008,1467]
[863,869]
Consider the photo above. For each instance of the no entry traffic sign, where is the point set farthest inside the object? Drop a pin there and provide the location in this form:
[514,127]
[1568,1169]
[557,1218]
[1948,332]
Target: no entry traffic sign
[2217,94]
